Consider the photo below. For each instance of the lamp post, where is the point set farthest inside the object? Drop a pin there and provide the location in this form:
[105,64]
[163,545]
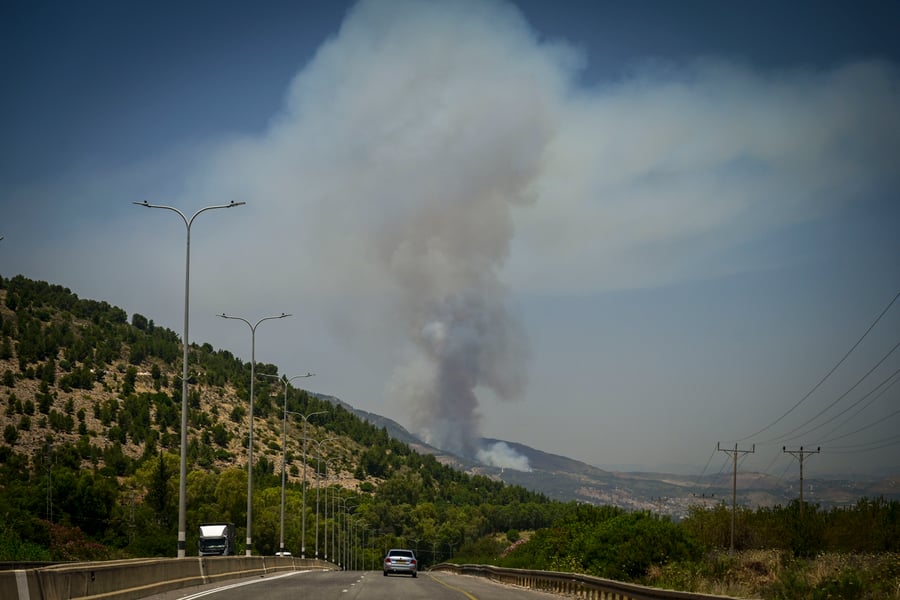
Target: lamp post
[318,476]
[250,444]
[335,527]
[284,456]
[303,519]
[326,521]
[333,520]
[319,458]
[351,543]
[182,479]
[345,540]
[359,543]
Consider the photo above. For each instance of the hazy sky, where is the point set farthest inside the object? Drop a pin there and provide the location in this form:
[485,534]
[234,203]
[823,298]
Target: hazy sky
[621,232]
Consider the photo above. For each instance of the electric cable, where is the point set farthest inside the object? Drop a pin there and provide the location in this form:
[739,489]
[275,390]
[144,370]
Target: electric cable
[827,375]
[787,436]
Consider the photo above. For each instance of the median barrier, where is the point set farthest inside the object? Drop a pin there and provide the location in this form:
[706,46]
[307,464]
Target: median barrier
[138,578]
[573,584]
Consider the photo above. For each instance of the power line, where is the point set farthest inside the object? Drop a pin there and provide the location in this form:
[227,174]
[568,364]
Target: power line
[787,436]
[703,472]
[771,464]
[827,375]
[863,428]
[784,472]
[867,446]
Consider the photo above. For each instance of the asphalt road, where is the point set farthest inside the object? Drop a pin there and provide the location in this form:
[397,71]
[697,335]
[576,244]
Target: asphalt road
[356,585]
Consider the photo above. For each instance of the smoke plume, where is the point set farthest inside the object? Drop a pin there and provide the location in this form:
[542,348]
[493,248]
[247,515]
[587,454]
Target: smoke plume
[411,138]
[434,155]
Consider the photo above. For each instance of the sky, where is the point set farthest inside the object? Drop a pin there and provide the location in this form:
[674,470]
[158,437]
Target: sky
[633,234]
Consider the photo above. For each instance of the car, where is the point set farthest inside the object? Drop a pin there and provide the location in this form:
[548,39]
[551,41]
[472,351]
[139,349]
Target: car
[285,553]
[400,561]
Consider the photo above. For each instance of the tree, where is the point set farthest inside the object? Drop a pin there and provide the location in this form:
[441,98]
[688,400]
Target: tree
[231,495]
[129,380]
[139,321]
[159,492]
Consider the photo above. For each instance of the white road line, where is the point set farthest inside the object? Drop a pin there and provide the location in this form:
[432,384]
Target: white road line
[237,585]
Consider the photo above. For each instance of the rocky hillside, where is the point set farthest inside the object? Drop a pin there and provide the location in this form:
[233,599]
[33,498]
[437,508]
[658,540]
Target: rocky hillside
[124,395]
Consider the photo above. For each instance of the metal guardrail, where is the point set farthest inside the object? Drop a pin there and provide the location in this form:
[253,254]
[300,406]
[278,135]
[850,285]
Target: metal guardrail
[573,584]
[138,578]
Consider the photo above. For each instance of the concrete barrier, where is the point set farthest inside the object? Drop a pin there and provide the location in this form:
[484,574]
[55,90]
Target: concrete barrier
[139,578]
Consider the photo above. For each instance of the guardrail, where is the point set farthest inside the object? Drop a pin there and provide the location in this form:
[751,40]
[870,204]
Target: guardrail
[139,578]
[573,584]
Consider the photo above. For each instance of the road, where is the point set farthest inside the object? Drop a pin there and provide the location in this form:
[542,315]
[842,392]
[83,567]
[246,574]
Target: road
[356,585]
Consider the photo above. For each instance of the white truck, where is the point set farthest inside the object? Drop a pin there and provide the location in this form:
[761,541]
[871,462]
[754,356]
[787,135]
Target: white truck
[216,539]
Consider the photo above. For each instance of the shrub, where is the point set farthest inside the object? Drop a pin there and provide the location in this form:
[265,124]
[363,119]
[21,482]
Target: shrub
[615,545]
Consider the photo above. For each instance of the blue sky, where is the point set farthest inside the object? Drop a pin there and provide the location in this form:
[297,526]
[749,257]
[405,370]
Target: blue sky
[622,232]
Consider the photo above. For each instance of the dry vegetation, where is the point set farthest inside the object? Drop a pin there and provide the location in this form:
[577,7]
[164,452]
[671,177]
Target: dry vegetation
[777,575]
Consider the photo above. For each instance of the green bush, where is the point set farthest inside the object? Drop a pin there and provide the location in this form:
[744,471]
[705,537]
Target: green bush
[847,585]
[482,551]
[14,548]
[615,545]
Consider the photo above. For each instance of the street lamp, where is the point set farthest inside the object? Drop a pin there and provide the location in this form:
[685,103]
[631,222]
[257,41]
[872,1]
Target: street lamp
[284,456]
[318,458]
[250,444]
[359,543]
[327,472]
[303,520]
[334,523]
[372,550]
[182,480]
[352,551]
[344,538]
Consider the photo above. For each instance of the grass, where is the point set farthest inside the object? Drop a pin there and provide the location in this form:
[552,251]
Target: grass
[776,575]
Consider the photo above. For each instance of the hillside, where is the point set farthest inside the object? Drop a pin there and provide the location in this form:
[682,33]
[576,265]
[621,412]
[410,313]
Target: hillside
[62,399]
[91,419]
[566,479]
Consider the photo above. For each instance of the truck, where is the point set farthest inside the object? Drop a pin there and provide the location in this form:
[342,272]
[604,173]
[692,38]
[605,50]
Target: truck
[216,539]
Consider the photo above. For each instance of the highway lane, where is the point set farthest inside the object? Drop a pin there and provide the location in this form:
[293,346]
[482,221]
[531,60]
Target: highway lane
[356,585]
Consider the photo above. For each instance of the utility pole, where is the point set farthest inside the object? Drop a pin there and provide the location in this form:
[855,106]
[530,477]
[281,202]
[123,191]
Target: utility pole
[734,453]
[799,455]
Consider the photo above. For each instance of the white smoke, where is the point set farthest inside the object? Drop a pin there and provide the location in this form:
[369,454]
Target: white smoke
[501,455]
[431,149]
[429,123]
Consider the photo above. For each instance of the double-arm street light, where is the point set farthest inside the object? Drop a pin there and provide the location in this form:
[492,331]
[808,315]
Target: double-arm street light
[182,485]
[250,444]
[286,381]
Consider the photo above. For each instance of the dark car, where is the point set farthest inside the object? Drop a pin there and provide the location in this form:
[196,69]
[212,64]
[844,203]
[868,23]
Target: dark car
[400,561]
